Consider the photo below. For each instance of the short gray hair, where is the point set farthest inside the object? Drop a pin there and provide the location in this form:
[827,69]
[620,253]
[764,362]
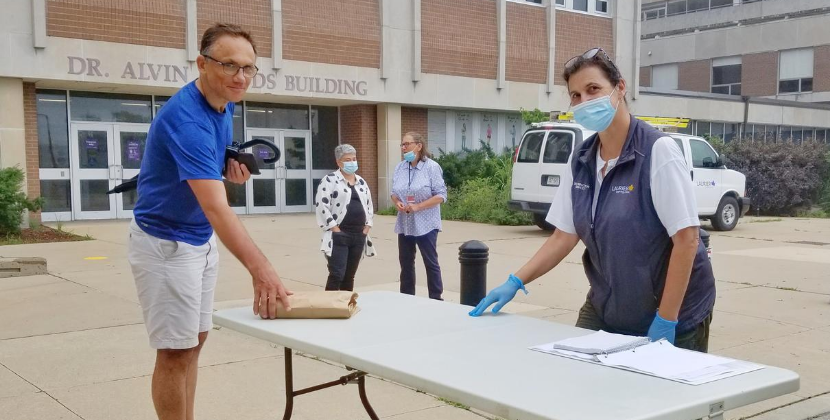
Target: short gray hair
[344,149]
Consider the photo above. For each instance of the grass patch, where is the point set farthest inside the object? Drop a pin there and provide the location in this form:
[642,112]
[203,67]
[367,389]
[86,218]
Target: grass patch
[454,404]
[753,220]
[815,214]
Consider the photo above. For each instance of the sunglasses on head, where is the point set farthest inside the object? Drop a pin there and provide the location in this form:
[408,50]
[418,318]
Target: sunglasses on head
[589,55]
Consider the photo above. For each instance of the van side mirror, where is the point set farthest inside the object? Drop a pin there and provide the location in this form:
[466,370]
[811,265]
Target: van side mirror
[707,162]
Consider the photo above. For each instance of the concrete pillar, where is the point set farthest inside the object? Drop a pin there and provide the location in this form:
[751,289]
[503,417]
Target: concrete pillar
[501,21]
[276,34]
[39,23]
[550,12]
[192,34]
[12,127]
[389,150]
[627,42]
[416,40]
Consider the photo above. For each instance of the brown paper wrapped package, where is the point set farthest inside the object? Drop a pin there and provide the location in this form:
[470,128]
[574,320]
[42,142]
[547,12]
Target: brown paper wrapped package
[319,305]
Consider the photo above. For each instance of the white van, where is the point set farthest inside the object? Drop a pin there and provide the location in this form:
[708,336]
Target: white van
[544,155]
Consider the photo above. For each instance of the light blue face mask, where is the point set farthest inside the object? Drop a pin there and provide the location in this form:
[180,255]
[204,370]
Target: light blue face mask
[596,114]
[409,156]
[350,167]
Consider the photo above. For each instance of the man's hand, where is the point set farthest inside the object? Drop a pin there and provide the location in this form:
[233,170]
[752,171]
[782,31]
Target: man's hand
[237,172]
[267,289]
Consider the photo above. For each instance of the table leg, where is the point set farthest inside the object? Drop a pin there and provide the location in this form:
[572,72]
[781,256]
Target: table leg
[356,376]
[289,385]
[361,386]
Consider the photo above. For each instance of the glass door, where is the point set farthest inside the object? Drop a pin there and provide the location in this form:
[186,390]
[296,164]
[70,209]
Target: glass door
[262,190]
[294,171]
[94,171]
[131,140]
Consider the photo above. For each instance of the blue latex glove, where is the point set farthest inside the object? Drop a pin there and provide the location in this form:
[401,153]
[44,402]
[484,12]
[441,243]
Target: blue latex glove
[662,328]
[500,296]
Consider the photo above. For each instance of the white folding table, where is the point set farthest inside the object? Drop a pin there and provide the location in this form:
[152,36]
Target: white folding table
[485,363]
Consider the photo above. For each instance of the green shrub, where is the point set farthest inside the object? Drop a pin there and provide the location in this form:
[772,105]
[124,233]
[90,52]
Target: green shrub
[782,178]
[479,187]
[13,201]
[535,116]
[389,211]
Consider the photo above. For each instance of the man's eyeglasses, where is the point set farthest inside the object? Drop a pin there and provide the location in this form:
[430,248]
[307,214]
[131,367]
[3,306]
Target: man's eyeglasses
[593,52]
[232,69]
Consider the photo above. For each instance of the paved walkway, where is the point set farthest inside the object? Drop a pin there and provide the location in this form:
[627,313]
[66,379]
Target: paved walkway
[72,343]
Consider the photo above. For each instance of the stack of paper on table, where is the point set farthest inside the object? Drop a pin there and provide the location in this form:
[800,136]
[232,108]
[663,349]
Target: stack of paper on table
[638,354]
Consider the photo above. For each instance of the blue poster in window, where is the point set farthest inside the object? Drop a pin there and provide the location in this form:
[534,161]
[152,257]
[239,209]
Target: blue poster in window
[91,143]
[263,153]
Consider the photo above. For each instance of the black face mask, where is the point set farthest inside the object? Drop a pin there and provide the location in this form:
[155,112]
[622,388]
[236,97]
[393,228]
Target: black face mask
[234,151]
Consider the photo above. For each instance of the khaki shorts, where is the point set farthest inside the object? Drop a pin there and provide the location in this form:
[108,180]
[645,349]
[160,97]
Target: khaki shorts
[175,282]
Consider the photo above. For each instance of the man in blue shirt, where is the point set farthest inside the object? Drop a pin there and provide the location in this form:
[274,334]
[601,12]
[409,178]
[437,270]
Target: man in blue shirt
[182,202]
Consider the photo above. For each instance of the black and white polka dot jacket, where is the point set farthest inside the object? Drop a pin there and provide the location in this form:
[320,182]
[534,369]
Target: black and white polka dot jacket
[333,196]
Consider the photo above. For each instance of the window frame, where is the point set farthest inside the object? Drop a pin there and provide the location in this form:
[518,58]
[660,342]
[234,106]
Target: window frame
[733,88]
[592,7]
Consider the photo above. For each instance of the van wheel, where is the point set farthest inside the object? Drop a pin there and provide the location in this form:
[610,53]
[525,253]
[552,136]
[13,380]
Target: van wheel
[539,220]
[727,215]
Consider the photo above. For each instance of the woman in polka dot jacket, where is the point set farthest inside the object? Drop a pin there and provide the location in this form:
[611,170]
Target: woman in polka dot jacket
[345,212]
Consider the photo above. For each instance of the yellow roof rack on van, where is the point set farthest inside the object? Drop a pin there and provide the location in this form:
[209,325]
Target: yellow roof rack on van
[661,123]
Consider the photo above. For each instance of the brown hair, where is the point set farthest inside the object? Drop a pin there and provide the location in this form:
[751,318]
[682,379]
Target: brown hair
[418,138]
[219,30]
[600,60]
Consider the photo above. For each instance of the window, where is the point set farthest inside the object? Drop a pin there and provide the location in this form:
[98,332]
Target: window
[702,128]
[726,75]
[52,129]
[676,7]
[90,106]
[714,4]
[697,5]
[730,132]
[702,154]
[558,147]
[821,136]
[266,115]
[680,145]
[795,71]
[717,130]
[664,76]
[599,7]
[531,148]
[324,136]
[654,11]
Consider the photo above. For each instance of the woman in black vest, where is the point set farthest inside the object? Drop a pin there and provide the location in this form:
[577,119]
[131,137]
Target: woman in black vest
[629,198]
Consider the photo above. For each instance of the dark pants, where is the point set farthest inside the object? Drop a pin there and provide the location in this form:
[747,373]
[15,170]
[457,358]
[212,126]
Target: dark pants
[346,250]
[696,339]
[406,255]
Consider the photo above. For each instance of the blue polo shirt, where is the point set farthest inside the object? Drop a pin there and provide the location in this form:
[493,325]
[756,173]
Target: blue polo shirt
[187,140]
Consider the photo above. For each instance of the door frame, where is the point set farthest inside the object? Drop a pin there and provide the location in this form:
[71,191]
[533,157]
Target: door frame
[78,174]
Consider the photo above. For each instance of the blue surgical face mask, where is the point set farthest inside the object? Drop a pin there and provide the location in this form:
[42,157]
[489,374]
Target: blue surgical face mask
[350,167]
[596,114]
[409,156]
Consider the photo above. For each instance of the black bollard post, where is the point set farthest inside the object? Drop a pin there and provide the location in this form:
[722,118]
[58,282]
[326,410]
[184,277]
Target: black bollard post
[473,256]
[704,237]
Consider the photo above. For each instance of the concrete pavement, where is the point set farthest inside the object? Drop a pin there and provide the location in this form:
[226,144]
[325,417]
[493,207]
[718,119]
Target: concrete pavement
[72,343]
